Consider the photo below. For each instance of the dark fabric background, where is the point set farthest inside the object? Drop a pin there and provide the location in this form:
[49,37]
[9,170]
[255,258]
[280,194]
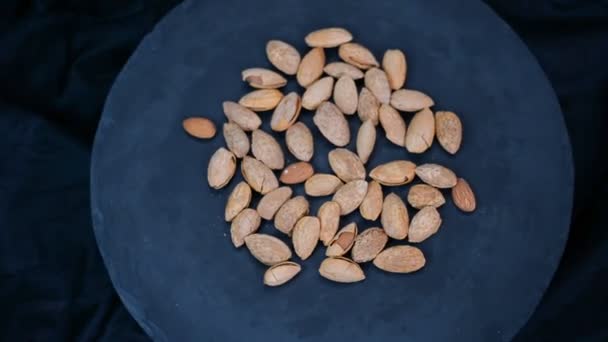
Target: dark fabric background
[58,59]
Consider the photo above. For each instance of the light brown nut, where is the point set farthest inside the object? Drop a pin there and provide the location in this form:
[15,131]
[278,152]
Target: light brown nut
[395,66]
[272,201]
[345,95]
[198,127]
[299,141]
[332,124]
[393,124]
[322,184]
[368,106]
[357,55]
[449,131]
[305,236]
[463,196]
[345,164]
[286,113]
[422,195]
[350,195]
[262,99]
[297,172]
[263,78]
[311,67]
[329,219]
[266,149]
[267,249]
[341,270]
[289,213]
[340,69]
[371,207]
[244,224]
[259,177]
[400,259]
[317,92]
[242,116]
[239,199]
[236,139]
[397,172]
[343,241]
[395,219]
[436,175]
[419,136]
[408,100]
[425,223]
[328,37]
[281,273]
[369,244]
[366,140]
[377,83]
[221,168]
[283,56]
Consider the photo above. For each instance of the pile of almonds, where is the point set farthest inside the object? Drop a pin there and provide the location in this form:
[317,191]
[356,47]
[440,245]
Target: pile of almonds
[379,102]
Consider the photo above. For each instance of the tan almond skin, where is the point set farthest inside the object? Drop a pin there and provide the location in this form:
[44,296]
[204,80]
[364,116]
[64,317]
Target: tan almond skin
[329,220]
[393,124]
[366,140]
[394,217]
[267,249]
[340,69]
[236,139]
[259,177]
[244,224]
[239,199]
[369,244]
[377,82]
[311,67]
[305,236]
[463,196]
[409,100]
[328,37]
[283,56]
[322,184]
[317,92]
[345,95]
[286,113]
[346,165]
[424,224]
[371,207]
[350,196]
[419,136]
[423,195]
[266,149]
[281,273]
[343,241]
[397,172]
[300,142]
[436,175]
[289,213]
[400,259]
[449,131]
[247,119]
[395,66]
[221,168]
[368,106]
[341,270]
[296,173]
[199,127]
[357,55]
[332,124]
[263,78]
[261,100]
[270,203]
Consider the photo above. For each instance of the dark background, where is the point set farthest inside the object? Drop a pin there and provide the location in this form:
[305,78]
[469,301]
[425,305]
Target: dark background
[58,59]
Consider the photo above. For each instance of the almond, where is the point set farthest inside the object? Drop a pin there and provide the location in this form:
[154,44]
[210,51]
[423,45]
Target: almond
[296,173]
[259,177]
[341,270]
[393,124]
[289,213]
[408,100]
[394,218]
[397,172]
[395,66]
[283,56]
[350,196]
[261,100]
[377,83]
[236,139]
[242,116]
[346,165]
[239,199]
[317,92]
[463,196]
[449,131]
[299,141]
[369,244]
[422,195]
[311,67]
[263,78]
[343,241]
[425,223]
[419,136]
[272,201]
[222,166]
[305,236]
[322,184]
[371,207]
[345,95]
[328,37]
[400,259]
[198,127]
[366,140]
[329,219]
[332,124]
[436,175]
[281,273]
[357,55]
[244,224]
[340,69]
[266,149]
[286,113]
[368,106]
[267,249]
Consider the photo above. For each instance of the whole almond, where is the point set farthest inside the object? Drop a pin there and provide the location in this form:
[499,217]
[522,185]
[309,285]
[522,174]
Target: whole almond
[311,67]
[296,173]
[322,184]
[395,219]
[341,270]
[329,219]
[350,196]
[436,175]
[397,172]
[408,100]
[345,95]
[281,273]
[368,106]
[422,195]
[299,141]
[343,241]
[332,124]
[366,140]
[371,207]
[377,83]
[357,55]
[393,124]
[449,131]
[198,127]
[283,56]
[395,66]
[272,201]
[463,196]
[420,134]
[221,168]
[244,224]
[286,113]
[236,139]
[317,92]
[266,149]
[239,199]
[261,100]
[400,259]
[305,236]
[346,165]
[242,116]
[267,249]
[339,69]
[289,213]
[328,37]
[259,177]
[425,223]
[263,78]
[369,244]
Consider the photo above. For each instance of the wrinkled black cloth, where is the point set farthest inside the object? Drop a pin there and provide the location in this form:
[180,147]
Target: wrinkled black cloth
[58,59]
